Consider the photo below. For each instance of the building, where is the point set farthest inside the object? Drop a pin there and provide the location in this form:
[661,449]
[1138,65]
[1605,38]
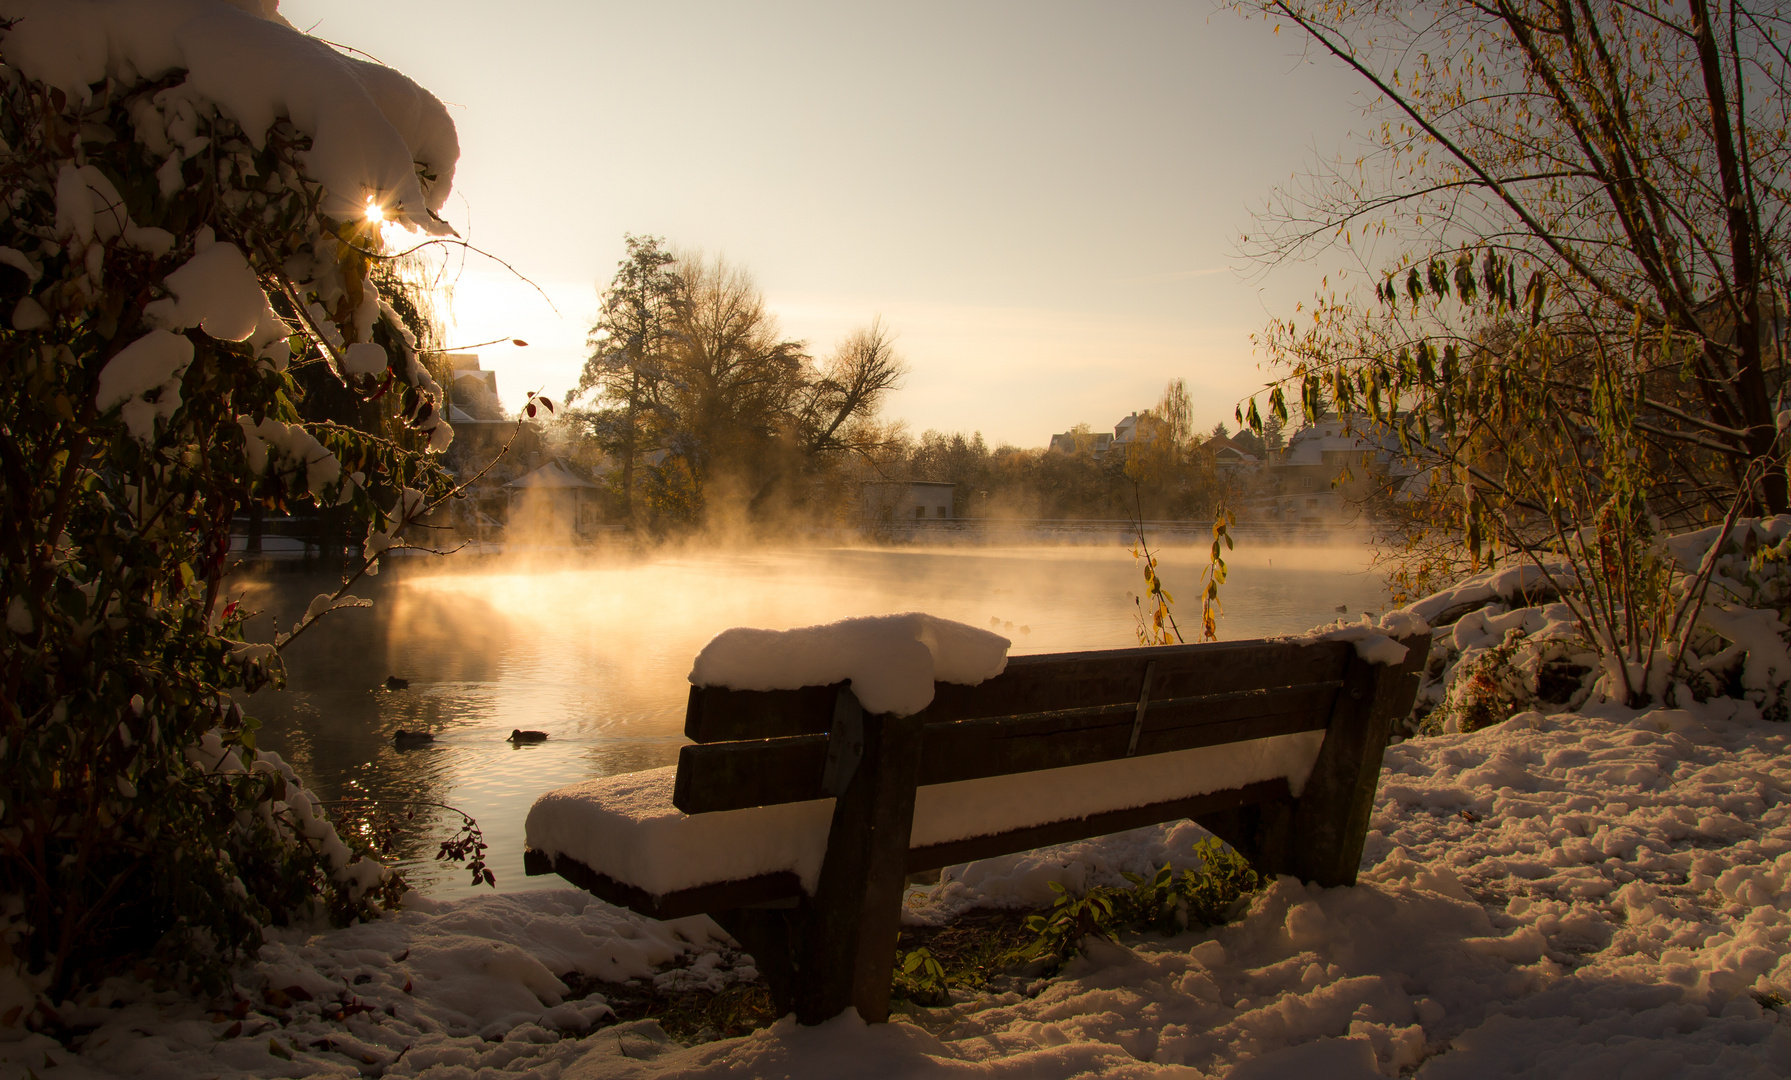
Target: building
[1074,442]
[1231,456]
[472,390]
[1099,443]
[552,505]
[890,502]
[1126,431]
[1329,469]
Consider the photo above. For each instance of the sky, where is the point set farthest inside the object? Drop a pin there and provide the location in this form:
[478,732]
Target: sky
[1042,200]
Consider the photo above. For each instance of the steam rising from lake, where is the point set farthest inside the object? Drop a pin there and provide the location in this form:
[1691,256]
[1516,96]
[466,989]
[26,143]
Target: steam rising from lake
[595,652]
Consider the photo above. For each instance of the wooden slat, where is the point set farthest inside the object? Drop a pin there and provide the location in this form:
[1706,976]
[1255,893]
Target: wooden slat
[934,856]
[717,896]
[717,714]
[1057,681]
[1039,683]
[971,749]
[765,772]
[757,772]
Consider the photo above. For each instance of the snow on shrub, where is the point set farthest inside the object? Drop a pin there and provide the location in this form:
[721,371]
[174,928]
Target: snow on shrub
[195,198]
[1508,640]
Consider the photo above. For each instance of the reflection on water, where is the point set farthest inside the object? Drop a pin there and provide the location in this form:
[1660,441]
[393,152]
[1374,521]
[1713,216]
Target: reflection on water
[596,652]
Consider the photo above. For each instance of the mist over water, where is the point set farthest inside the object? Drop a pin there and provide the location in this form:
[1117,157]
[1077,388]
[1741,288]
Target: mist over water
[595,651]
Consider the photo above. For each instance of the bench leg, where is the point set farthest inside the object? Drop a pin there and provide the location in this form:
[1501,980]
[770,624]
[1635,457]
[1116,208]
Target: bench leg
[1262,833]
[774,937]
[1319,836]
[1330,819]
[856,913]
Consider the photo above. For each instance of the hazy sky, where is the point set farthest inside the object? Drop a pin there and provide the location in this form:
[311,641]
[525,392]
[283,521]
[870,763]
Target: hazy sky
[1041,199]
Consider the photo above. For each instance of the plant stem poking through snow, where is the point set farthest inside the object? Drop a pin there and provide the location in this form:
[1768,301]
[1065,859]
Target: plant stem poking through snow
[1156,626]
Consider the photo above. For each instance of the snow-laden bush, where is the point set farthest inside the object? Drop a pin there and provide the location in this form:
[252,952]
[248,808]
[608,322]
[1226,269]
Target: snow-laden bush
[1508,640]
[193,194]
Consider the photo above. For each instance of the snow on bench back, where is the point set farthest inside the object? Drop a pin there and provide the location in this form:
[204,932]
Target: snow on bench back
[892,661]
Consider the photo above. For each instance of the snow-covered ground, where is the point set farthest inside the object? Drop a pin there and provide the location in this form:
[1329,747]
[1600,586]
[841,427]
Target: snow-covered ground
[1594,894]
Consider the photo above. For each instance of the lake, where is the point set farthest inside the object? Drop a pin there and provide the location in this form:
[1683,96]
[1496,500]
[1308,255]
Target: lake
[595,651]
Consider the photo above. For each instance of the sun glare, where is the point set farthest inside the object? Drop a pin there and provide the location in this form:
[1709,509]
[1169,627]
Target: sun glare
[376,214]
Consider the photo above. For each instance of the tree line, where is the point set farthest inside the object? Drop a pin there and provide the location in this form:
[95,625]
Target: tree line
[697,411]
[1168,472]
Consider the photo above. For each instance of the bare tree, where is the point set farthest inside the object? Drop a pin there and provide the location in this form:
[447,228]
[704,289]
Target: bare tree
[733,380]
[847,391]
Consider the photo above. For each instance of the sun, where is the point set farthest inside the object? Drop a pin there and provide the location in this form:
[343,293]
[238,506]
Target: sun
[388,223]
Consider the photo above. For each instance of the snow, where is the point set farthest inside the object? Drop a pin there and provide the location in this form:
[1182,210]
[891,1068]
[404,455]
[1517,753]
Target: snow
[1374,637]
[364,358]
[371,127]
[437,980]
[1616,891]
[1503,583]
[89,208]
[1690,548]
[18,260]
[214,290]
[892,661]
[292,444]
[152,363]
[28,314]
[626,826]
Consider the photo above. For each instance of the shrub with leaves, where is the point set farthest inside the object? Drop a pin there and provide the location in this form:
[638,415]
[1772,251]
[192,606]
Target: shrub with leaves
[195,203]
[1508,640]
[921,978]
[1166,903]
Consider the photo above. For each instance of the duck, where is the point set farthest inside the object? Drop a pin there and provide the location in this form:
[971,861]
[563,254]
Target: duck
[402,737]
[521,736]
[393,682]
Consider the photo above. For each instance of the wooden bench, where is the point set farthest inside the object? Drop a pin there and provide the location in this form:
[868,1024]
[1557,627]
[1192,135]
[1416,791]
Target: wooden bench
[823,952]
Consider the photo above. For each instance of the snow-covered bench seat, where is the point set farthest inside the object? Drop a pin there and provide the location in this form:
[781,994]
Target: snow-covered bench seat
[794,816]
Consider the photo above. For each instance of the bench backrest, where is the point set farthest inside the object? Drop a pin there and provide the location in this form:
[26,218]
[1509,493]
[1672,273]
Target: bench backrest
[759,748]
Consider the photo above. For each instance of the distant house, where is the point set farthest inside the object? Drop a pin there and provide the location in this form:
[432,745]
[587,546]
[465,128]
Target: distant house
[552,505]
[472,390]
[480,426]
[1230,455]
[482,432]
[1073,442]
[892,501]
[1129,430]
[1333,466]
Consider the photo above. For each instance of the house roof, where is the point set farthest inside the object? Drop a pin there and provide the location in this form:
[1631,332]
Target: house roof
[551,475]
[1309,445]
[458,416]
